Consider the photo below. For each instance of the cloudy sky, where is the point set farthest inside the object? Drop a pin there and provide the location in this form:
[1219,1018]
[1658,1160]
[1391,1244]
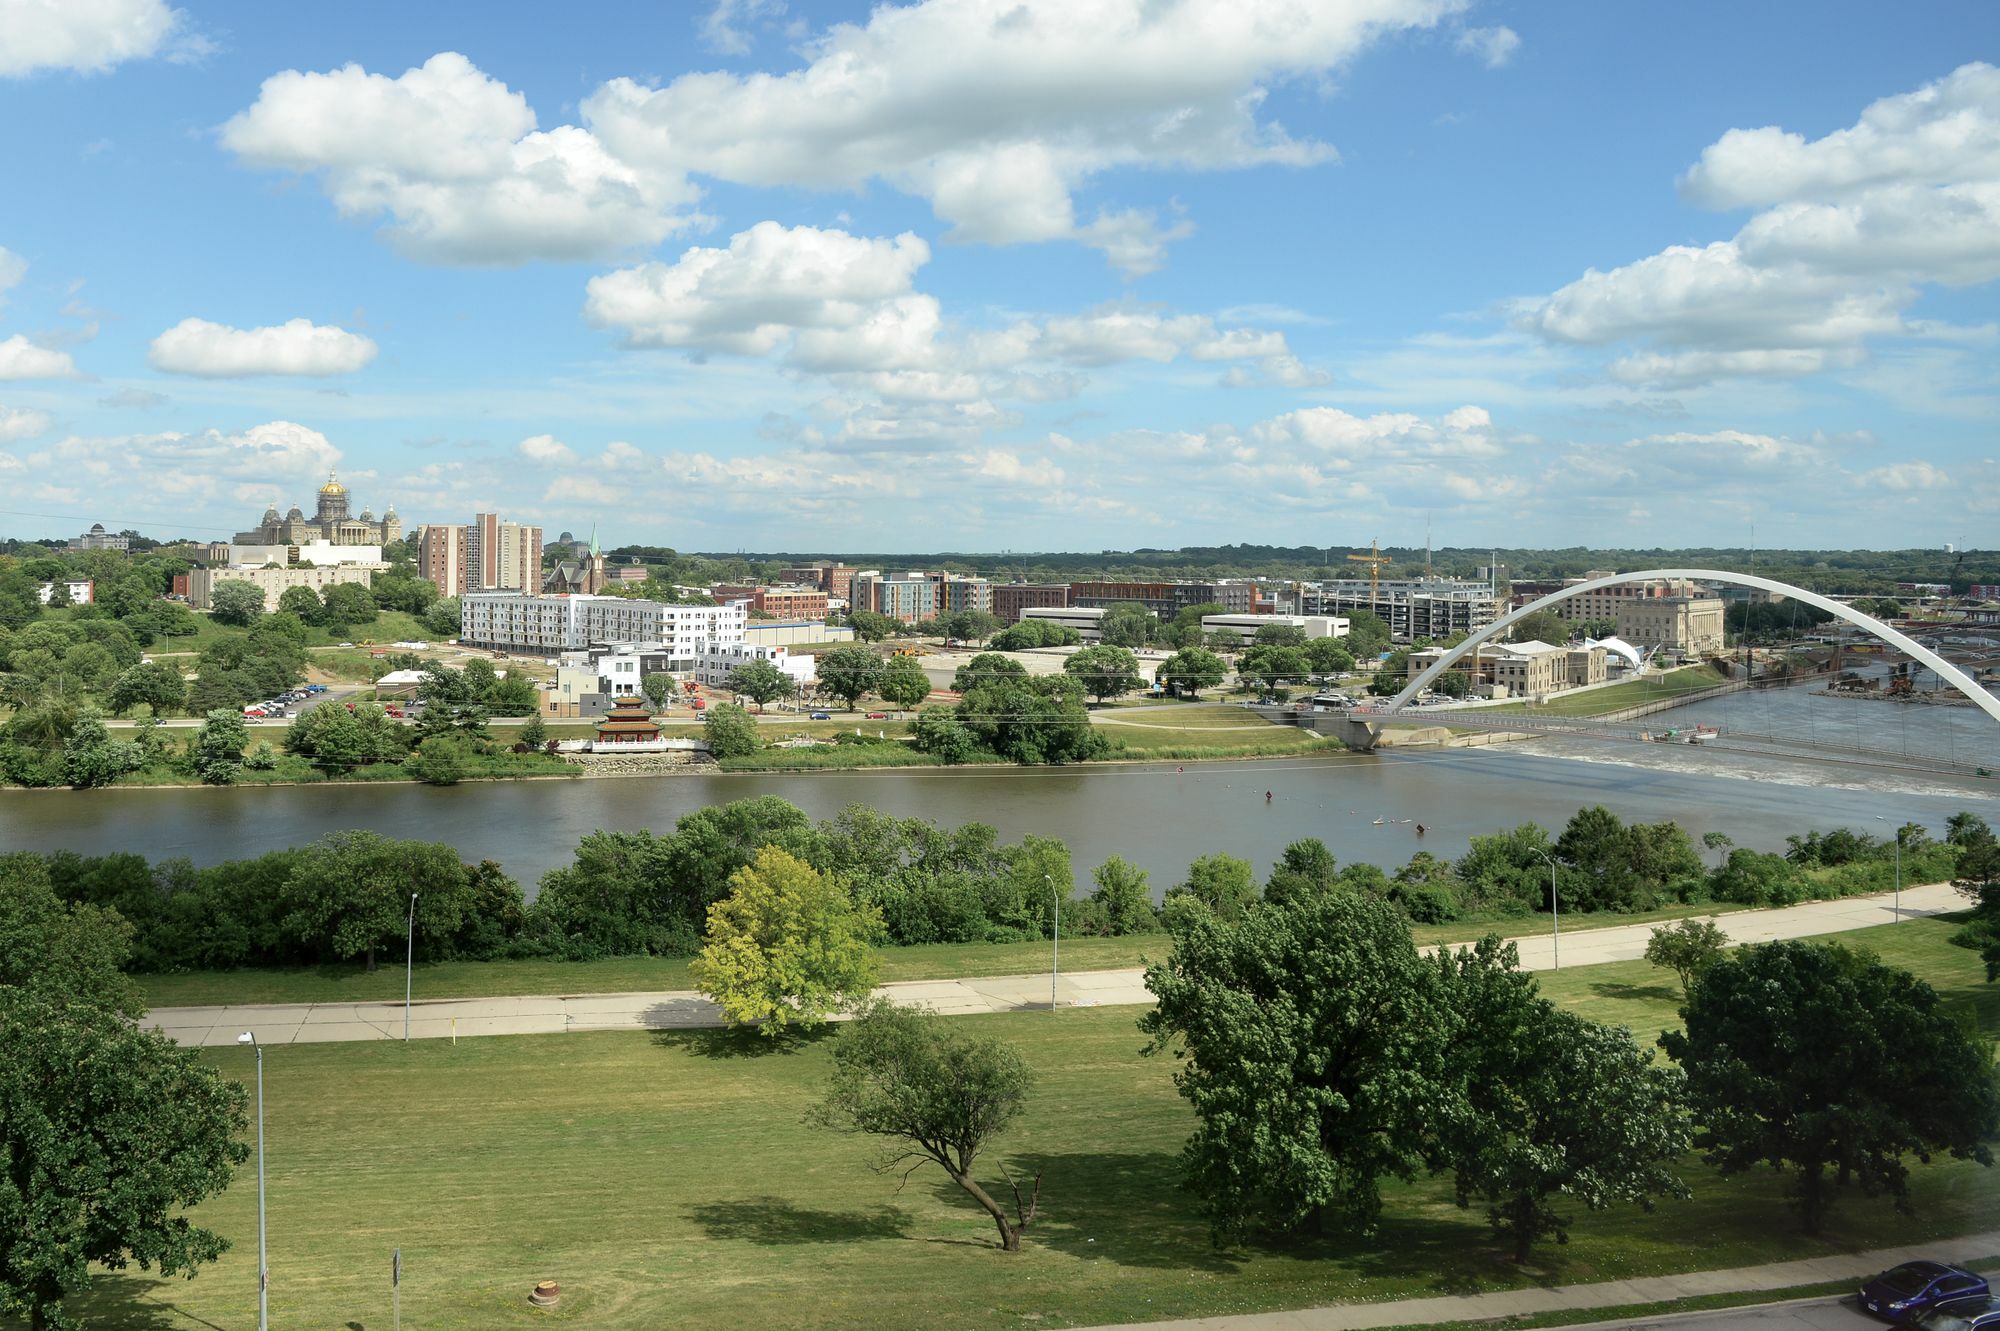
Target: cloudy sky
[1009,274]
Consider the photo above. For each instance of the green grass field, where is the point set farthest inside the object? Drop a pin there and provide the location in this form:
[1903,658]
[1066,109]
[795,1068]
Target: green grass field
[1205,730]
[668,1180]
[1618,696]
[490,979]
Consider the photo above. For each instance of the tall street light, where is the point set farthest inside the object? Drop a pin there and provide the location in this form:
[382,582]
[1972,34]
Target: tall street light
[1555,910]
[1897,909]
[263,1263]
[409,965]
[1055,947]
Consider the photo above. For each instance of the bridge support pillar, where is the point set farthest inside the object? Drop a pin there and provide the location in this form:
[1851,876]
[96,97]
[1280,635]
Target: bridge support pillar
[1359,736]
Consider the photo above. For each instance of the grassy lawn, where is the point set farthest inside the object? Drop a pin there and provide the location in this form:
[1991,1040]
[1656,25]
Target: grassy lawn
[490,979]
[1692,679]
[668,1180]
[1206,730]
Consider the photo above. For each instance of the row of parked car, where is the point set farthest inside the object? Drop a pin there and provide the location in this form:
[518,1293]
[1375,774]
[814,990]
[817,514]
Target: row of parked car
[282,704]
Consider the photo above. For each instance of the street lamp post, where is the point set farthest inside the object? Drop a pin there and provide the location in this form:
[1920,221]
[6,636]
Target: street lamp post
[409,965]
[1896,911]
[263,1263]
[1055,946]
[1555,911]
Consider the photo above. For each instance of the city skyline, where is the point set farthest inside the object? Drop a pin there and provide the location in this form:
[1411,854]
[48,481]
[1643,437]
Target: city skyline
[978,275]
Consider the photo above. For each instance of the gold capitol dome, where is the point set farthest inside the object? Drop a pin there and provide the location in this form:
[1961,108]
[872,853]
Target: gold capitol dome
[332,487]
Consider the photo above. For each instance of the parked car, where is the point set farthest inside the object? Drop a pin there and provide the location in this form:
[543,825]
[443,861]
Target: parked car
[820,716]
[878,716]
[1902,1292]
[1962,1314]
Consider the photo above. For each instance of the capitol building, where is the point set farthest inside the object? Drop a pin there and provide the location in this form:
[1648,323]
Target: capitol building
[329,524]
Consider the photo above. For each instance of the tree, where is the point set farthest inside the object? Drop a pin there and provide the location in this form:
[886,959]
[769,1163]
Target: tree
[660,689]
[1311,1046]
[729,731]
[849,672]
[1105,671]
[1541,626]
[535,733]
[1304,867]
[1367,635]
[446,618]
[788,945]
[1121,891]
[761,682]
[480,678]
[1190,670]
[870,626]
[111,1134]
[1128,624]
[153,683]
[1223,883]
[904,682]
[938,732]
[1454,683]
[1687,949]
[218,749]
[59,597]
[1717,842]
[1810,1058]
[1039,720]
[92,758]
[236,603]
[64,952]
[1271,665]
[1033,633]
[1281,635]
[303,602]
[438,761]
[348,603]
[1327,657]
[1546,1104]
[516,695]
[349,895]
[931,1093]
[983,667]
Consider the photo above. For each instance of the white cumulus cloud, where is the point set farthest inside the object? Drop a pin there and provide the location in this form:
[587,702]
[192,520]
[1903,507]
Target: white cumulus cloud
[22,359]
[18,423]
[1493,47]
[87,36]
[545,448]
[298,346]
[1853,226]
[452,157]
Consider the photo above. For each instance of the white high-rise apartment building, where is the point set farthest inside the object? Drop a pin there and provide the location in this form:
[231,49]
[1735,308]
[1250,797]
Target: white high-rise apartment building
[513,621]
[502,556]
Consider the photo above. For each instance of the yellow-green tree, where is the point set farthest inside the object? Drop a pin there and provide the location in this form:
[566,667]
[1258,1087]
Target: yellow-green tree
[788,945]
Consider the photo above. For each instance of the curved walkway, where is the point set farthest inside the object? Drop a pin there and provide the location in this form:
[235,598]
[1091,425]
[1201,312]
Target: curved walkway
[554,1014]
[1446,1309]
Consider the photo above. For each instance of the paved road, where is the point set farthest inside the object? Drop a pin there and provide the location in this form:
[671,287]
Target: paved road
[307,1023]
[1830,1314]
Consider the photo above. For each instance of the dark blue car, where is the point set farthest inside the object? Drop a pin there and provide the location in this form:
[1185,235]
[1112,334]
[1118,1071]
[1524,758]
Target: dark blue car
[1915,1287]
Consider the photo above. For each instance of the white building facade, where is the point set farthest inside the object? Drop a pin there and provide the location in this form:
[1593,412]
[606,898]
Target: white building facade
[1088,621]
[1245,626]
[548,625]
[718,659]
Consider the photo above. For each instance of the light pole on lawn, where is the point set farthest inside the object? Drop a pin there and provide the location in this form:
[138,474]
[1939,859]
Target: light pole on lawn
[1555,911]
[1055,947]
[1897,909]
[263,1265]
[409,965]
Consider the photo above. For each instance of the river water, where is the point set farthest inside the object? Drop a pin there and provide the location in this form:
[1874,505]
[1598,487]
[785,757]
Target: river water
[1155,815]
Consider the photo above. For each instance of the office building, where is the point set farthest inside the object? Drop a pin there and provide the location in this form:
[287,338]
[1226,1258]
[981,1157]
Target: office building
[549,625]
[718,660]
[1412,607]
[503,556]
[909,597]
[274,582]
[1603,604]
[1683,625]
[1086,621]
[1165,599]
[1245,627]
[1011,598]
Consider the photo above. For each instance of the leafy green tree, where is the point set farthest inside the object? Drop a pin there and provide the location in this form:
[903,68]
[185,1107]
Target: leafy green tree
[938,732]
[984,667]
[933,1094]
[1031,721]
[480,678]
[453,701]
[218,749]
[535,732]
[904,682]
[303,602]
[438,761]
[761,682]
[446,618]
[1223,883]
[1367,635]
[1717,842]
[109,1135]
[1454,683]
[338,739]
[1833,1067]
[848,673]
[1546,1105]
[1105,671]
[236,603]
[1271,666]
[1033,633]
[1190,670]
[1281,635]
[92,758]
[869,626]
[1304,867]
[153,683]
[348,604]
[1128,624]
[63,951]
[1311,1046]
[728,731]
[660,689]
[1121,891]
[1594,845]
[1327,657]
[1687,949]
[788,945]
[1542,626]
[516,695]
[348,895]
[1757,878]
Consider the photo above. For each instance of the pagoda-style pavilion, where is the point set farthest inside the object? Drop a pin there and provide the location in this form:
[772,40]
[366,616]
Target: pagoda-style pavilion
[628,723]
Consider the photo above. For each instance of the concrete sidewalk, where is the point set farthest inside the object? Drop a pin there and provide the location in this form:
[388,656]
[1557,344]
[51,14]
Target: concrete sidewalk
[312,1023]
[1445,1309]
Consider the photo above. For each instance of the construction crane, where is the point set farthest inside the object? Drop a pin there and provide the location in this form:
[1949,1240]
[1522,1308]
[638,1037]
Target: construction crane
[1375,559]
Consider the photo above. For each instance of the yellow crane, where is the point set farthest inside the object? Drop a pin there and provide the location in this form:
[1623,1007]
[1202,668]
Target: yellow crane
[1375,559]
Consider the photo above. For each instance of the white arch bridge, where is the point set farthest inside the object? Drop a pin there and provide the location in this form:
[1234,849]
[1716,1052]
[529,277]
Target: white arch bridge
[1359,731]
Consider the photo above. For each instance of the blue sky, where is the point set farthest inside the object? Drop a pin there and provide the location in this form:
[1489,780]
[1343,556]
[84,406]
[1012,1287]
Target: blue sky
[986,274]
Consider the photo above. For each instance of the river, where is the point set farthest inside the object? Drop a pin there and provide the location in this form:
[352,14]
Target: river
[1155,815]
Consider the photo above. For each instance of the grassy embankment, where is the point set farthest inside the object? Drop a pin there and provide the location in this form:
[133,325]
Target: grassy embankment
[349,983]
[1616,697]
[669,1180]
